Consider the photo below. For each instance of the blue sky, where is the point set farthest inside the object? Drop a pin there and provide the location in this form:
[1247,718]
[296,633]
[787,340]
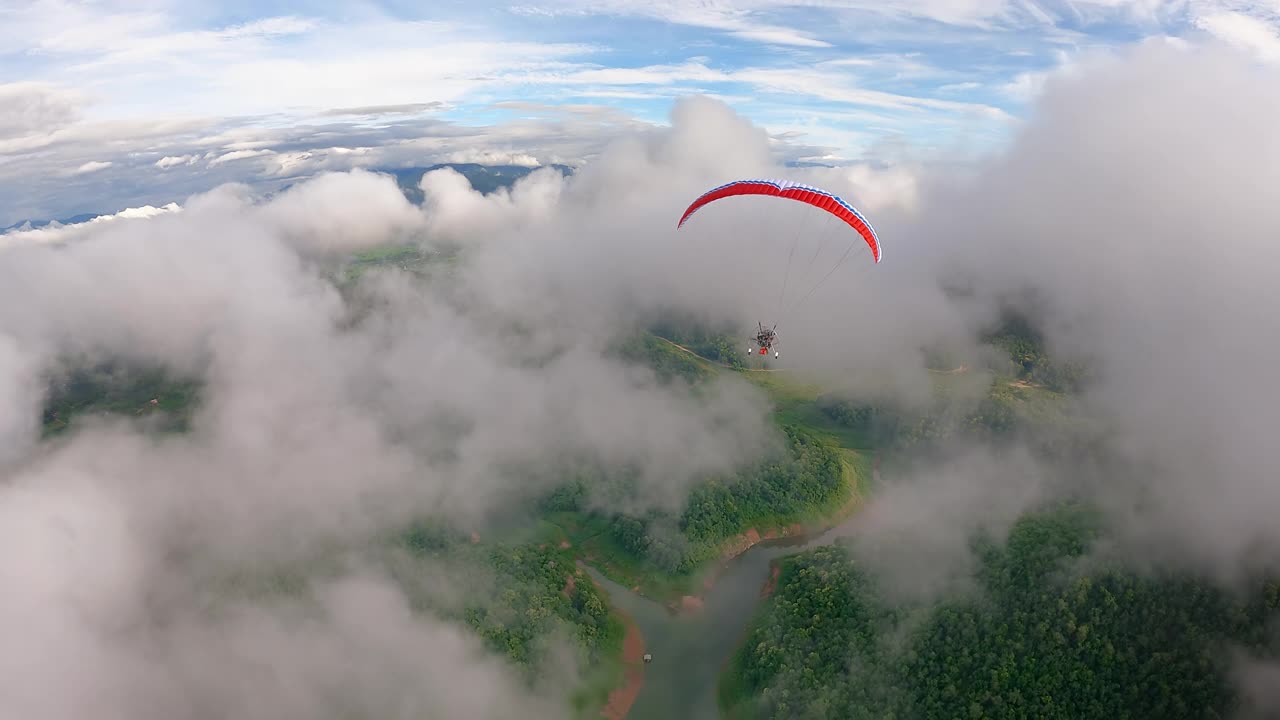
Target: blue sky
[110,102]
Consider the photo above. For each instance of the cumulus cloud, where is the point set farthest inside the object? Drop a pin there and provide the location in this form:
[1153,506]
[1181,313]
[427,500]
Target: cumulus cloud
[169,161]
[613,223]
[325,418]
[915,534]
[1143,223]
[92,166]
[142,640]
[344,212]
[239,155]
[197,155]
[493,157]
[1152,261]
[1244,31]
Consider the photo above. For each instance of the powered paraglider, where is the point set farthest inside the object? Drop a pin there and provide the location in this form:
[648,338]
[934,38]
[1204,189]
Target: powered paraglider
[831,204]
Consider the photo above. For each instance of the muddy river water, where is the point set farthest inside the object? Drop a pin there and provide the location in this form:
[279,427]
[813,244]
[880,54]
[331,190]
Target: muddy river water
[691,649]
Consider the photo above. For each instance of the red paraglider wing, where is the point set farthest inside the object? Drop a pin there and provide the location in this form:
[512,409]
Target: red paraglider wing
[792,191]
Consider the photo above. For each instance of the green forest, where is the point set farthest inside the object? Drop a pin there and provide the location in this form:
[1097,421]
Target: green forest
[1040,642]
[807,479]
[529,610]
[667,549]
[112,388]
[521,599]
[527,605]
[1044,638]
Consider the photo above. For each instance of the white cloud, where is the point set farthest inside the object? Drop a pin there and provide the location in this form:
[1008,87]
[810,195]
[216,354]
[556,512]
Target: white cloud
[122,39]
[1027,86]
[343,213]
[29,107]
[309,161]
[827,84]
[316,430]
[299,410]
[440,69]
[33,184]
[832,88]
[1244,31]
[492,157]
[272,26]
[101,80]
[92,166]
[169,161]
[153,58]
[240,155]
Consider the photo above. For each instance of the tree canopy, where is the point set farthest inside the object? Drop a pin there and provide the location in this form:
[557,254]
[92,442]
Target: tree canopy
[1042,640]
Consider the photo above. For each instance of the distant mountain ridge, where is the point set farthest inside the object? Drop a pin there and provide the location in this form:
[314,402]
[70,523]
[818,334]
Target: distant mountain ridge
[484,178]
[31,224]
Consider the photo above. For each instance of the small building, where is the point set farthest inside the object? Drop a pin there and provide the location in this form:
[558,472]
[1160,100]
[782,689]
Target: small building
[648,657]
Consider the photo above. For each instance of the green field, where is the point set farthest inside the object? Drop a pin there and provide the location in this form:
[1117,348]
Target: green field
[412,259]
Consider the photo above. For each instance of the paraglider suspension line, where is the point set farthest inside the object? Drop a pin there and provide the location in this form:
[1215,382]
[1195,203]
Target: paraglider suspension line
[824,277]
[795,240]
[821,245]
[787,275]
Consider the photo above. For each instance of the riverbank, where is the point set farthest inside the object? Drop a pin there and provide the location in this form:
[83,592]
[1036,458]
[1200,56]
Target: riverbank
[622,698]
[792,533]
[680,622]
[691,649]
[597,545]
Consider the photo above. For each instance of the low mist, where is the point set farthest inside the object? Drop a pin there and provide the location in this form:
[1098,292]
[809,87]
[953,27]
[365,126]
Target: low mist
[1135,203]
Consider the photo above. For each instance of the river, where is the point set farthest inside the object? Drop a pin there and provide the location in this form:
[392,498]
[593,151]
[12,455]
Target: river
[690,650]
